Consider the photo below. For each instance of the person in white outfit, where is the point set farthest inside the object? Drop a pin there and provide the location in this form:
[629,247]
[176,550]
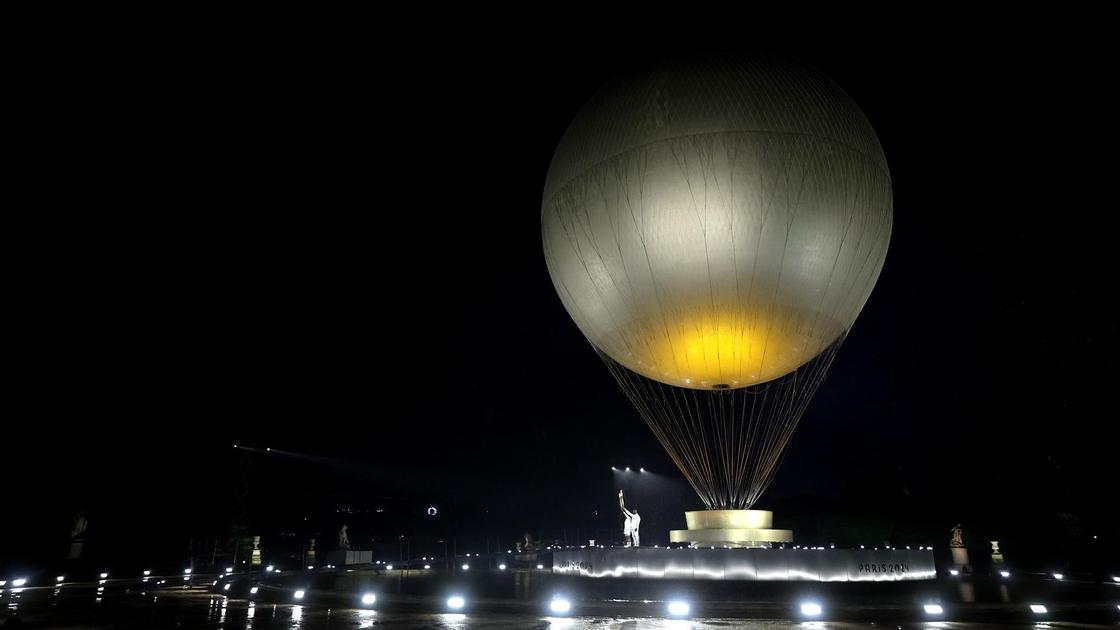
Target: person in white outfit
[630,525]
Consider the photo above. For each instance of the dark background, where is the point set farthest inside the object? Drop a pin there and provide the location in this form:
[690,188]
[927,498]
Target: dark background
[330,246]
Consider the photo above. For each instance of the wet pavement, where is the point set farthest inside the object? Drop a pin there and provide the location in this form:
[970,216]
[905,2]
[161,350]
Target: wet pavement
[203,610]
[129,605]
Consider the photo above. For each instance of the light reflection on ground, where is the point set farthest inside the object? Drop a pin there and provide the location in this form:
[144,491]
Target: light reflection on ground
[186,610]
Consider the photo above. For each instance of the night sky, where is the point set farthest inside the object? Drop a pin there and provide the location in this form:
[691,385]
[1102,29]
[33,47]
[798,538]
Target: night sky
[335,251]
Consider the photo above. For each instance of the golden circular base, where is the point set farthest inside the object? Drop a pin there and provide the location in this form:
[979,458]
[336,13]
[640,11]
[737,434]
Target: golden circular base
[730,528]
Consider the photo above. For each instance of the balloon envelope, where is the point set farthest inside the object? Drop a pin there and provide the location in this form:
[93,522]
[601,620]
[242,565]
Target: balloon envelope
[717,223]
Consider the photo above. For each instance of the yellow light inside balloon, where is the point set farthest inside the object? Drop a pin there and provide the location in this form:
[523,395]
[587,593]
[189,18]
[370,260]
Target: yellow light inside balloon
[724,348]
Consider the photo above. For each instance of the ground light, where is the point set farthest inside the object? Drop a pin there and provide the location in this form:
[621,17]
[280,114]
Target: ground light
[1038,609]
[60,578]
[147,572]
[369,599]
[427,566]
[954,572]
[19,581]
[1058,576]
[186,571]
[1005,574]
[502,567]
[678,608]
[456,602]
[540,566]
[226,587]
[104,575]
[466,567]
[269,568]
[1116,578]
[933,609]
[560,606]
[298,594]
[811,609]
[253,591]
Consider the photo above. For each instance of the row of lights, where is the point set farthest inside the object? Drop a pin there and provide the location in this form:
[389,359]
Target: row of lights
[559,605]
[389,567]
[675,608]
[809,610]
[59,579]
[680,608]
[18,582]
[683,545]
[627,469]
[368,599]
[1002,574]
[1007,574]
[104,576]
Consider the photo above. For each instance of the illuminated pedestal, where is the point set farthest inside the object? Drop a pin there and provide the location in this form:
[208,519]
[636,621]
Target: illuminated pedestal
[256,557]
[730,528]
[765,565]
[76,545]
[997,557]
[960,558]
[343,557]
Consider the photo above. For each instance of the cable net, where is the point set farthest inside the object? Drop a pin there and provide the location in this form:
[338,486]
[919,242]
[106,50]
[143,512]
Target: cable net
[728,443]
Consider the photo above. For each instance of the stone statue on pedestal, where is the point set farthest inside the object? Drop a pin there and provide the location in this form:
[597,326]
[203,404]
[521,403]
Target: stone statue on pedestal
[956,541]
[77,536]
[958,550]
[80,525]
[256,557]
[997,556]
[343,538]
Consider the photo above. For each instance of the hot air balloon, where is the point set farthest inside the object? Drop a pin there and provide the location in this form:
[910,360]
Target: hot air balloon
[714,225]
